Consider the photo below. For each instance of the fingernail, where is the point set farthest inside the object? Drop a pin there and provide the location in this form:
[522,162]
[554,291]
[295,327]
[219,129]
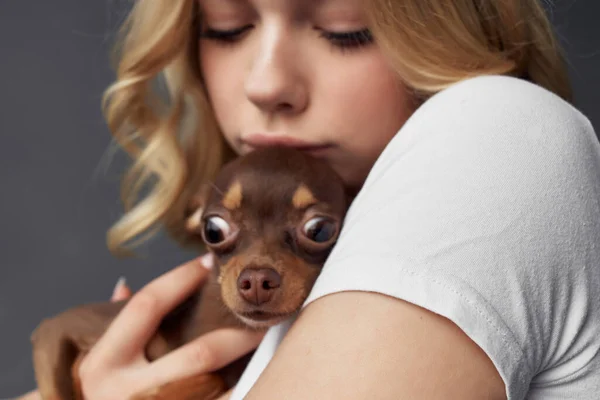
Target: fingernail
[207,261]
[120,284]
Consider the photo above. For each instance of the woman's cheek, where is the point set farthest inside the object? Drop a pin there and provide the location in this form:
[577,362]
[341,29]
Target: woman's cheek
[220,85]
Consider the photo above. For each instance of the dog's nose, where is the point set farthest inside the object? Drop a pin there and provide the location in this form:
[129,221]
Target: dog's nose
[258,285]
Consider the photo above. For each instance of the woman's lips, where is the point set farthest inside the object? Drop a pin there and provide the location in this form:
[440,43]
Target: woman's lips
[256,140]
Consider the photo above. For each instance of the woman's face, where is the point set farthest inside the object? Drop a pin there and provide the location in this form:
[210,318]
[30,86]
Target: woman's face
[302,73]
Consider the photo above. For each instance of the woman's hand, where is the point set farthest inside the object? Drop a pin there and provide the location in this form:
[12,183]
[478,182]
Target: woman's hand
[116,366]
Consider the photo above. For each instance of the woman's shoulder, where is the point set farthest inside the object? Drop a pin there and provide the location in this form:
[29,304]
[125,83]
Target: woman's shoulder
[501,91]
[494,114]
[501,102]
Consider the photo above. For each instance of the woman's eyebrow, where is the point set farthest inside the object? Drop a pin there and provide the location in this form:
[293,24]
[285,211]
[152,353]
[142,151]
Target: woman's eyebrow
[223,5]
[304,3]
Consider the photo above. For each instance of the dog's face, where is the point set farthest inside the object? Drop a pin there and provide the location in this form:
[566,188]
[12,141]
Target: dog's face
[271,219]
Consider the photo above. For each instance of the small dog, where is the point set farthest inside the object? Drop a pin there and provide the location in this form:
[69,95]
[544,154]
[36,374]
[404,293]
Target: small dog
[270,219]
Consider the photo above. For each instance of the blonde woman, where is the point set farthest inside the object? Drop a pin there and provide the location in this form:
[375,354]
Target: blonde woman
[468,267]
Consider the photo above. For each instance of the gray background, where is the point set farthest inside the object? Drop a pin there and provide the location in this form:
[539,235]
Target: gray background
[59,176]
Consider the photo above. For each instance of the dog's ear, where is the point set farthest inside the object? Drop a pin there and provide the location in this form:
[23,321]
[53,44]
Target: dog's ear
[196,207]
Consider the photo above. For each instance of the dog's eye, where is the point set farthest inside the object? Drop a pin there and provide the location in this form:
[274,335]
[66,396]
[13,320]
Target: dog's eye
[216,230]
[319,229]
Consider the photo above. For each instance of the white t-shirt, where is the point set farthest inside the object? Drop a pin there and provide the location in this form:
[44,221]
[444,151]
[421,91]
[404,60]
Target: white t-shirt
[485,208]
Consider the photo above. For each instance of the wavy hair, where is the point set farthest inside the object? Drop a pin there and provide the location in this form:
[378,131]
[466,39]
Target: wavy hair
[176,145]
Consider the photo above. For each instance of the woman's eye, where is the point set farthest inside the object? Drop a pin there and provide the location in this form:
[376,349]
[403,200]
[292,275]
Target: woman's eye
[229,35]
[216,230]
[349,40]
[343,40]
[319,229]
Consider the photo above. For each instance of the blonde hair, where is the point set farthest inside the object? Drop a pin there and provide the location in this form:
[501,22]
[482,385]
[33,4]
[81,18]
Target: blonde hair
[176,144]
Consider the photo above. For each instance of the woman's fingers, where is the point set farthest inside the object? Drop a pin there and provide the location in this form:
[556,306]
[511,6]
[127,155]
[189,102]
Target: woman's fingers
[116,366]
[133,327]
[208,353]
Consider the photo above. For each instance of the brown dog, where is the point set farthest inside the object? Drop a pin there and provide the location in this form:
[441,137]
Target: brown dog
[271,219]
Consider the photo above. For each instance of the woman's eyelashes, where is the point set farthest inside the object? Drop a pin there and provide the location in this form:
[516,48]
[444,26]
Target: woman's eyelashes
[341,40]
[227,36]
[348,40]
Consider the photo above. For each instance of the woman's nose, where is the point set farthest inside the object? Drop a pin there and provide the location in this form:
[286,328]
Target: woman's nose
[276,81]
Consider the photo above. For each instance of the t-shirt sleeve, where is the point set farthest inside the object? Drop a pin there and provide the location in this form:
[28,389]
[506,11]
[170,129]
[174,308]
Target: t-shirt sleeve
[485,209]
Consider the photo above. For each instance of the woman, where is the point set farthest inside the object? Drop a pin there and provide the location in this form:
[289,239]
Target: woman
[467,267]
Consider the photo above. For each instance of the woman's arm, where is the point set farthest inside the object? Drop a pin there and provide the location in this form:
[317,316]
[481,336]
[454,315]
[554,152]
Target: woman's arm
[361,345]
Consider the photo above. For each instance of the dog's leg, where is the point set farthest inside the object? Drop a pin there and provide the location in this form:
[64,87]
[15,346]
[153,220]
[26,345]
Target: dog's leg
[77,390]
[61,341]
[198,387]
[52,367]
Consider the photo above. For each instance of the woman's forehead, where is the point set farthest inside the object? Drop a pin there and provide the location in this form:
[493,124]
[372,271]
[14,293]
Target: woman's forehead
[280,4]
